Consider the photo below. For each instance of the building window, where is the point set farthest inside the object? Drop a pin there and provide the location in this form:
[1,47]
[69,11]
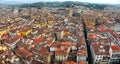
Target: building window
[97,57]
[96,63]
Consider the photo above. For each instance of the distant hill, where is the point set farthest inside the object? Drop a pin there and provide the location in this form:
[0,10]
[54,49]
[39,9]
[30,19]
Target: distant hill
[65,4]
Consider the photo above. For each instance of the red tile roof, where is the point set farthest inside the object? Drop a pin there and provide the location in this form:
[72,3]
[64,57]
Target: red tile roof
[102,27]
[11,40]
[41,50]
[4,35]
[66,43]
[97,48]
[1,61]
[82,52]
[83,62]
[92,35]
[40,39]
[25,28]
[63,49]
[20,36]
[13,30]
[22,52]
[68,62]
[115,47]
[50,41]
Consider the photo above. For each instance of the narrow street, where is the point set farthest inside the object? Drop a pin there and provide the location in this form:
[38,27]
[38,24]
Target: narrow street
[89,59]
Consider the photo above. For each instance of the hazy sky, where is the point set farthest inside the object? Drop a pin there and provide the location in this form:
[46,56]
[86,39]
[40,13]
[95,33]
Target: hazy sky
[93,1]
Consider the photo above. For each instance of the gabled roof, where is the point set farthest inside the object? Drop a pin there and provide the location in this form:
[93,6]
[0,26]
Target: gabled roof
[68,62]
[83,62]
[92,35]
[115,48]
[40,39]
[22,52]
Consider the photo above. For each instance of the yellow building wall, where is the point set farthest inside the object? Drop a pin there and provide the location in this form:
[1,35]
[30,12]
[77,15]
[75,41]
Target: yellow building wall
[3,32]
[66,33]
[48,59]
[26,33]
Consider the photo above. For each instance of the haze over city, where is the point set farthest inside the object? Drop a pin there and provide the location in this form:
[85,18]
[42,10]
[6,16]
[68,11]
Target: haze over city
[90,1]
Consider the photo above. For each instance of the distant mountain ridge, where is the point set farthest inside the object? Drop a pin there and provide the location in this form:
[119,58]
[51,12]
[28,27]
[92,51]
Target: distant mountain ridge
[67,4]
[60,4]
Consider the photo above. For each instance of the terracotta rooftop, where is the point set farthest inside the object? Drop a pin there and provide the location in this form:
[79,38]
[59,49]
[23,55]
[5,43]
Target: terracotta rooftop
[82,51]
[115,48]
[11,40]
[40,39]
[41,50]
[36,62]
[1,61]
[22,52]
[100,49]
[68,62]
[83,62]
[25,28]
[92,36]
[61,52]
[63,49]
[4,36]
[50,41]
[81,41]
[102,27]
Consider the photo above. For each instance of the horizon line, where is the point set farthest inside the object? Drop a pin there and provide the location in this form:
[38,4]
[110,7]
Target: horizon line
[58,1]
